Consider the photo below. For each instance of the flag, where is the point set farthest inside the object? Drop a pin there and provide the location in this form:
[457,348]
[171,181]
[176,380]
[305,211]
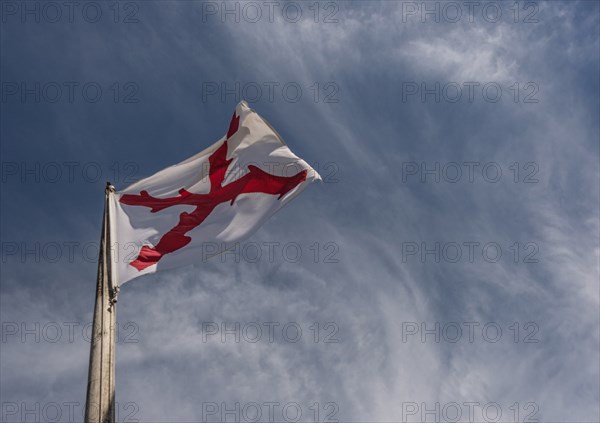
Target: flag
[206,204]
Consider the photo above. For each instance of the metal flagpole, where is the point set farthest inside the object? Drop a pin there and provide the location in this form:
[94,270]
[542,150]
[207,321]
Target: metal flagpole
[100,399]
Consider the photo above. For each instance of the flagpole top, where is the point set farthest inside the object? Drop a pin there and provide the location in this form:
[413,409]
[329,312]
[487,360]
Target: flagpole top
[109,187]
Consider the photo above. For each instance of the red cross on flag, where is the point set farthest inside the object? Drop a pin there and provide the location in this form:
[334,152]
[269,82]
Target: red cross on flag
[207,203]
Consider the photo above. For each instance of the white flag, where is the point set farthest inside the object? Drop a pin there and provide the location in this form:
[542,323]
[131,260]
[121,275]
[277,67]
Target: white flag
[207,203]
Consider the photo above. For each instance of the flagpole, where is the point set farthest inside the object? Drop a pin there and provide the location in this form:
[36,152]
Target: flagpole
[100,398]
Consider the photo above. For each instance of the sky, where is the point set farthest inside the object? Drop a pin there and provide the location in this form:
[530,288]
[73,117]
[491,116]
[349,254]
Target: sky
[445,270]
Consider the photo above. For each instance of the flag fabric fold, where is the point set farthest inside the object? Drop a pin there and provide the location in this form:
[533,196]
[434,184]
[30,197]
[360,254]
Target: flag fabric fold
[206,204]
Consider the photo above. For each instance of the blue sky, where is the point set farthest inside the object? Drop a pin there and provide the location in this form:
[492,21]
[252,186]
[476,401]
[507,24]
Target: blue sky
[510,167]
